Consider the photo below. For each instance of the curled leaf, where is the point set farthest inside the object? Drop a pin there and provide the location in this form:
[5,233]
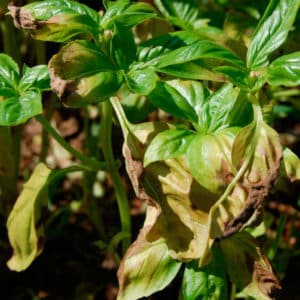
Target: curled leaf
[254,274]
[24,224]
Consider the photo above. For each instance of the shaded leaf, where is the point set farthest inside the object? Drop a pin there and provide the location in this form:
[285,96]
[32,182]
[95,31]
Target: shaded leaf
[254,274]
[271,31]
[142,81]
[168,144]
[17,110]
[284,70]
[24,224]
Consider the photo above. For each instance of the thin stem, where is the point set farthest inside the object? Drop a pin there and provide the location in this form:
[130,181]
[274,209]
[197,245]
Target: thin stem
[92,163]
[121,195]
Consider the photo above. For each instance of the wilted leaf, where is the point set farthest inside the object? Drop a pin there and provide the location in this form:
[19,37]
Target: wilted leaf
[56,20]
[271,31]
[145,269]
[256,155]
[80,73]
[24,224]
[248,268]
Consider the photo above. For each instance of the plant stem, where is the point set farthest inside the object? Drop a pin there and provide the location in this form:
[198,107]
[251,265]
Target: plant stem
[92,163]
[121,195]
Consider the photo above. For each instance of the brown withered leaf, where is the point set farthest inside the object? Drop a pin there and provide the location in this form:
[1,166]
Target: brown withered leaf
[254,275]
[256,154]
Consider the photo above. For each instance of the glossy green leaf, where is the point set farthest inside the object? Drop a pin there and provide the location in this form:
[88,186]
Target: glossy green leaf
[284,70]
[271,31]
[25,230]
[168,144]
[206,283]
[209,159]
[123,46]
[198,50]
[57,20]
[142,81]
[9,72]
[170,100]
[254,274]
[127,14]
[36,77]
[17,110]
[216,113]
[146,268]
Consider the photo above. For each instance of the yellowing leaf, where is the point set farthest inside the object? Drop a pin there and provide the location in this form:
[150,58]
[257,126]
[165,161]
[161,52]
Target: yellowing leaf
[25,230]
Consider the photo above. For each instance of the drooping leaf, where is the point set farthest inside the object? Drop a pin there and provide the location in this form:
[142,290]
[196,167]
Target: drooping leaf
[170,100]
[80,74]
[56,20]
[254,274]
[18,109]
[206,283]
[284,70]
[142,81]
[146,268]
[209,159]
[271,31]
[168,144]
[256,155]
[25,227]
[36,77]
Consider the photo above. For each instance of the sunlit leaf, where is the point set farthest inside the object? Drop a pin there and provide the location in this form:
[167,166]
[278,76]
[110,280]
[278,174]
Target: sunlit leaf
[271,31]
[9,72]
[56,20]
[17,110]
[284,70]
[168,144]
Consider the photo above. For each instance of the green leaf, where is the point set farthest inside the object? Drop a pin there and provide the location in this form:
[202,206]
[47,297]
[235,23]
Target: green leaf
[254,273]
[56,20]
[271,31]
[9,72]
[127,14]
[123,46]
[24,224]
[146,268]
[142,81]
[17,110]
[216,113]
[291,165]
[168,144]
[206,283]
[170,100]
[202,49]
[36,77]
[284,70]
[209,159]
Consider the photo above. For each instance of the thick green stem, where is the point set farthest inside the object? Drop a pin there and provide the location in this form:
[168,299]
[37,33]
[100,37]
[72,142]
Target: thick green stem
[120,191]
[89,162]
